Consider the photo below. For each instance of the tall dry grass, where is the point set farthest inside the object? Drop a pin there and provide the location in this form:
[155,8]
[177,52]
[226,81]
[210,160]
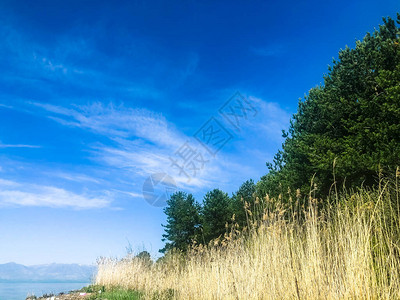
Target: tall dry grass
[349,250]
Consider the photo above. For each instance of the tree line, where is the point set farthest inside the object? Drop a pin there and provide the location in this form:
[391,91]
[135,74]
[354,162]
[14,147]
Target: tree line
[188,221]
[346,131]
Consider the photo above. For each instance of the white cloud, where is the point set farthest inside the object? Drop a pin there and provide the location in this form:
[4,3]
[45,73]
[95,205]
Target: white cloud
[144,160]
[144,141]
[6,106]
[271,119]
[7,183]
[72,176]
[133,195]
[18,146]
[118,122]
[17,194]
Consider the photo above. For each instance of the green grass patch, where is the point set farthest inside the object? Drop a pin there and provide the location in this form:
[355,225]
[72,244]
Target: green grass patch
[113,294]
[92,289]
[117,293]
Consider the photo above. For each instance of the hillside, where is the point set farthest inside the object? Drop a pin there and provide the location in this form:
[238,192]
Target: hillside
[49,272]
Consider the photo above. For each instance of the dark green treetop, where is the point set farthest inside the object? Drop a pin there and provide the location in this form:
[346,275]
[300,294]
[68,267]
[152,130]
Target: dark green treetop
[347,128]
[183,222]
[244,195]
[216,213]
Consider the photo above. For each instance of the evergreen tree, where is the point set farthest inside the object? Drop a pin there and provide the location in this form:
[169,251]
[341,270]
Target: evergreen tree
[216,212]
[183,221]
[244,195]
[349,127]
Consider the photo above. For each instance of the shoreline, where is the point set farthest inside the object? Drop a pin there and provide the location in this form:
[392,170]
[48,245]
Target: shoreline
[69,296]
[82,293]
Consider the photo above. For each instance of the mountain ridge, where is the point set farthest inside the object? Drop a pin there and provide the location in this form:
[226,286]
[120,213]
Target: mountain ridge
[53,272]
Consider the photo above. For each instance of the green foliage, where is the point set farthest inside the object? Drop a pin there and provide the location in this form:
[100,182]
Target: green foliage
[183,222]
[144,255]
[216,213]
[344,132]
[116,294]
[244,195]
[119,293]
[349,128]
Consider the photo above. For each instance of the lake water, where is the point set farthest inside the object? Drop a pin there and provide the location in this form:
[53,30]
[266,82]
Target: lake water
[20,290]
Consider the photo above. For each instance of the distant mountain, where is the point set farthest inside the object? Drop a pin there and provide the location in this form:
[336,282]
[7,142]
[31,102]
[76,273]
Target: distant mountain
[49,273]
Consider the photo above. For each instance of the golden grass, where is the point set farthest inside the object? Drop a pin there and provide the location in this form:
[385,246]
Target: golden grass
[346,252]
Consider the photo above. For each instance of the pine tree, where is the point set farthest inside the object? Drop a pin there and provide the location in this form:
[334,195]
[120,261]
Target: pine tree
[348,128]
[216,213]
[244,195]
[183,222]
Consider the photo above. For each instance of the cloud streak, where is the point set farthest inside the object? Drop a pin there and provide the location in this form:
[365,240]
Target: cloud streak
[117,122]
[18,146]
[17,194]
[144,141]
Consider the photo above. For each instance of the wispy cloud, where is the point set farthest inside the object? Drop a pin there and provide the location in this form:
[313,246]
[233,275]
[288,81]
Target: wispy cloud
[144,141]
[67,62]
[118,122]
[73,177]
[18,146]
[6,106]
[18,194]
[273,119]
[133,129]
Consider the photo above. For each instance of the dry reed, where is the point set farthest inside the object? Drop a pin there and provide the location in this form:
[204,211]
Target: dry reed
[349,251]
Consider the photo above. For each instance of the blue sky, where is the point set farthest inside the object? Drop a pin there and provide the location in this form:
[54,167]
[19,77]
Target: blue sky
[96,96]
